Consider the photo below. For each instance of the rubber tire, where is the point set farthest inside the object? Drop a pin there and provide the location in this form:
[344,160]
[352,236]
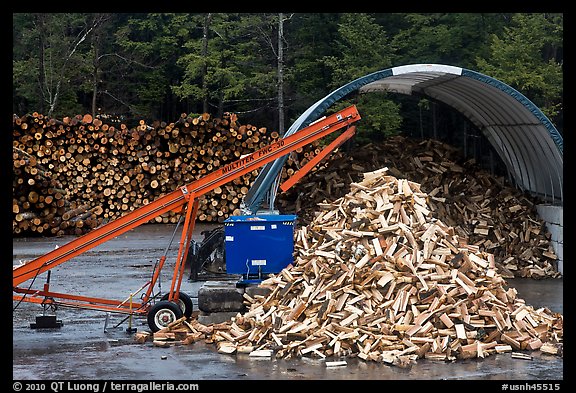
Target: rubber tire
[185,303]
[163,313]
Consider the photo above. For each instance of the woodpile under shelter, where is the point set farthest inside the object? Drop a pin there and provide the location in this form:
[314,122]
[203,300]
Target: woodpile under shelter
[526,141]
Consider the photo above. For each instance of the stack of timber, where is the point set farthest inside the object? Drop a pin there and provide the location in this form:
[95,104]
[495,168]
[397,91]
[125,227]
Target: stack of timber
[378,277]
[72,175]
[481,207]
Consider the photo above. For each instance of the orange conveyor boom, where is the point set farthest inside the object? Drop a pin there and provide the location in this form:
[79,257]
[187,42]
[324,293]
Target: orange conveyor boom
[177,199]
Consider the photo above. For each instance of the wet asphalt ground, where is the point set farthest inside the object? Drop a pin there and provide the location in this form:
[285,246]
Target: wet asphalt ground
[82,349]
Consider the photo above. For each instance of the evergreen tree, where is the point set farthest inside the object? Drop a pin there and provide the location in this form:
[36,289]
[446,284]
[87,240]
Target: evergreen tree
[309,38]
[362,47]
[50,67]
[443,38]
[528,57]
[221,66]
[151,43]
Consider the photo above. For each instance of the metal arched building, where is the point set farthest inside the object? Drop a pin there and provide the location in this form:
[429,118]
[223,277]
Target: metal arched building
[524,138]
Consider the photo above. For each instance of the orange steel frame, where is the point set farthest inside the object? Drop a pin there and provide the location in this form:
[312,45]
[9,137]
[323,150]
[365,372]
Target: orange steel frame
[185,198]
[349,133]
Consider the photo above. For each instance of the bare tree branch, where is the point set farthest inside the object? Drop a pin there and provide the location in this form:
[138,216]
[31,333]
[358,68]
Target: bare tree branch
[131,61]
[117,99]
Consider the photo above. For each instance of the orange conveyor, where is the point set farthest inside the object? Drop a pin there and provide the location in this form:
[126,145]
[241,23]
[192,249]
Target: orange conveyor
[184,199]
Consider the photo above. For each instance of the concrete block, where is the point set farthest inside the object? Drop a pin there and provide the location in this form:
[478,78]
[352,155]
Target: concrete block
[556,232]
[220,296]
[46,322]
[558,249]
[554,218]
[551,214]
[216,317]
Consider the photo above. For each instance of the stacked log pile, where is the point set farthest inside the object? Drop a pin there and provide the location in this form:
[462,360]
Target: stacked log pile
[494,216]
[70,176]
[377,276]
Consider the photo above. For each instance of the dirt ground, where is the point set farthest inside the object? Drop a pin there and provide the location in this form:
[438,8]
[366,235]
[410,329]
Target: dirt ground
[82,349]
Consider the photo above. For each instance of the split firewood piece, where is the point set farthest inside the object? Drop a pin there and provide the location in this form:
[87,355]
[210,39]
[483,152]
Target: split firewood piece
[226,347]
[141,337]
[161,343]
[261,353]
[336,363]
[192,338]
[164,336]
[551,349]
[520,355]
[176,323]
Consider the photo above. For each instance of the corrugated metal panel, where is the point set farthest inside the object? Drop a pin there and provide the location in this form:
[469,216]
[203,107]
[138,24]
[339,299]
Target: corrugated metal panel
[524,138]
[514,126]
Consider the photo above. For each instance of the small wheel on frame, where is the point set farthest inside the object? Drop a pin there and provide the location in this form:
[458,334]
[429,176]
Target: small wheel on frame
[162,314]
[184,302]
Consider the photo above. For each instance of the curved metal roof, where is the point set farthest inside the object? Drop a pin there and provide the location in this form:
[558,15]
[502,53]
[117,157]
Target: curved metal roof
[524,138]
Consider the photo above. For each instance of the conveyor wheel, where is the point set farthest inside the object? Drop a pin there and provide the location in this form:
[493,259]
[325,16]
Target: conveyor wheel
[162,313]
[185,303]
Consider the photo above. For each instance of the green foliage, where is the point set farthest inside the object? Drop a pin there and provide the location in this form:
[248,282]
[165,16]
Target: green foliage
[525,57]
[310,40]
[50,60]
[155,65]
[361,48]
[25,94]
[152,43]
[226,65]
[380,116]
[443,38]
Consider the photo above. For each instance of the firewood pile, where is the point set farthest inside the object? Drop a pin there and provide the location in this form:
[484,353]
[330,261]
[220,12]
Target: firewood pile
[377,276]
[481,207]
[70,176]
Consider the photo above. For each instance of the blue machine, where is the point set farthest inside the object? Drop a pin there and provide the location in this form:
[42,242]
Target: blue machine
[258,245]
